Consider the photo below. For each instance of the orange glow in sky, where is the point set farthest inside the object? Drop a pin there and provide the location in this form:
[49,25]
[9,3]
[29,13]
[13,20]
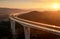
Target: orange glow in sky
[55,6]
[27,4]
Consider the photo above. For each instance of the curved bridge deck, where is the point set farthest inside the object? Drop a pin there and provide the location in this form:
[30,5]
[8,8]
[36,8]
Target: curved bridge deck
[49,21]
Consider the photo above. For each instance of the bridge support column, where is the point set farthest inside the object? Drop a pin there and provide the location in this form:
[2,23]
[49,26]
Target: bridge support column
[13,29]
[27,32]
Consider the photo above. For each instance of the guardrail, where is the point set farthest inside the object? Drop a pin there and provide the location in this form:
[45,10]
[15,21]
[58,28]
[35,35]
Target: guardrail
[27,24]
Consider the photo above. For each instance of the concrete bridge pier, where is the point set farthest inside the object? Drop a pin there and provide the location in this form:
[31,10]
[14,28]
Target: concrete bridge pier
[13,29]
[26,31]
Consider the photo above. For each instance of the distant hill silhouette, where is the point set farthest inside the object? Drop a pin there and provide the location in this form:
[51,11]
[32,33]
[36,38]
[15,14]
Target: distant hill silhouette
[9,10]
[48,17]
[4,12]
[34,12]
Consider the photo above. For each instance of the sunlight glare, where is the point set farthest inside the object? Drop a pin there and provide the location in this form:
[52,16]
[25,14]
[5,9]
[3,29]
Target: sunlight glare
[55,6]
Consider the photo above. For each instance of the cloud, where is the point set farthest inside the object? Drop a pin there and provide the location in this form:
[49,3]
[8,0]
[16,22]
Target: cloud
[27,1]
[31,0]
[20,0]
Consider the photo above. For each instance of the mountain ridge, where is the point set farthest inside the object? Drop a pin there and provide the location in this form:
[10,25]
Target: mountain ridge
[4,12]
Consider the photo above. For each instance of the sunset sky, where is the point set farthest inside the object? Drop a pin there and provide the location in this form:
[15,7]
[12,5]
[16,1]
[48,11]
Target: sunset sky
[26,4]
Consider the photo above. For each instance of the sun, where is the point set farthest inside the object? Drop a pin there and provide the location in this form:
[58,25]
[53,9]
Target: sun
[55,6]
